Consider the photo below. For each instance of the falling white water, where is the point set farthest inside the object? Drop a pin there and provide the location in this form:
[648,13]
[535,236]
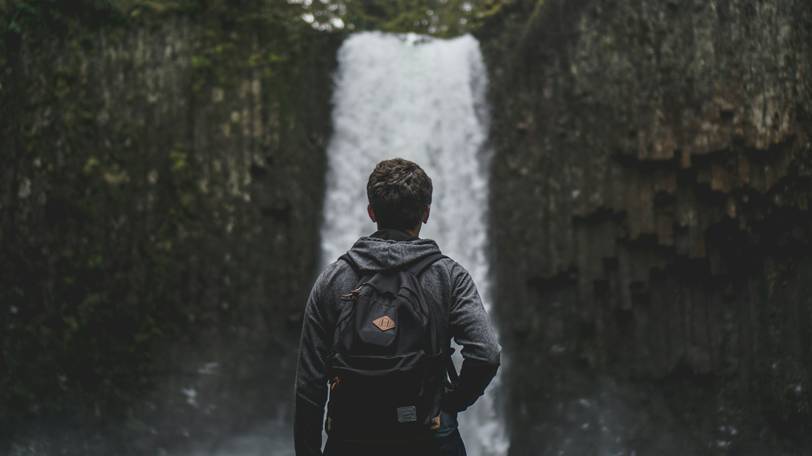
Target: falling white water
[422,99]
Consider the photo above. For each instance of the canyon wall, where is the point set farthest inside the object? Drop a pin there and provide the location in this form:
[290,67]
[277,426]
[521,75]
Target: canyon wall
[650,224]
[162,189]
[161,200]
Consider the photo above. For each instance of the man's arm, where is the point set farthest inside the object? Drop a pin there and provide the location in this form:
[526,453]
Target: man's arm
[471,328]
[311,377]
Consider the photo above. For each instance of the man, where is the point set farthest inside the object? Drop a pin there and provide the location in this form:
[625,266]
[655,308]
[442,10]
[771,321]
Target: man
[399,194]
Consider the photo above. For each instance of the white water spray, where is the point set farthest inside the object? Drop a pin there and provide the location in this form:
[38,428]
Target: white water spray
[422,99]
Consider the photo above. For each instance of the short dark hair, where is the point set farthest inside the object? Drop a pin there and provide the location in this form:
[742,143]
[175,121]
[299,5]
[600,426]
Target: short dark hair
[399,191]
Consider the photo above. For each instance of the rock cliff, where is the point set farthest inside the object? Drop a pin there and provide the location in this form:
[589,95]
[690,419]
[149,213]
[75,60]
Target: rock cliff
[161,199]
[650,224]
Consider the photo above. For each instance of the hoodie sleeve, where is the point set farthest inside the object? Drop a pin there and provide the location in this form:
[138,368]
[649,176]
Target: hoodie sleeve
[471,328]
[311,376]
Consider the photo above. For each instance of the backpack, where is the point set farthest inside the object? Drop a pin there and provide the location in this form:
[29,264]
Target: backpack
[389,357]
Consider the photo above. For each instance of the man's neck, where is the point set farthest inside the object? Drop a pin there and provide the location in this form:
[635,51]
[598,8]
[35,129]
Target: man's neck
[414,232]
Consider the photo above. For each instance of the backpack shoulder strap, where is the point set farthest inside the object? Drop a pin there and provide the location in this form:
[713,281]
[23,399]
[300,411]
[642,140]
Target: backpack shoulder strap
[416,269]
[361,274]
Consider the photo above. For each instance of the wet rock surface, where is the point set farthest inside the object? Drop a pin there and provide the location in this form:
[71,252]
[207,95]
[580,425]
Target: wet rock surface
[649,219]
[161,187]
[650,225]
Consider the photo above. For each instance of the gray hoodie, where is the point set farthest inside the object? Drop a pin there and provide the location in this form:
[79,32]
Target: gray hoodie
[445,281]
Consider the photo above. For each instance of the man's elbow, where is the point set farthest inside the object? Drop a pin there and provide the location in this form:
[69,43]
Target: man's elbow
[486,364]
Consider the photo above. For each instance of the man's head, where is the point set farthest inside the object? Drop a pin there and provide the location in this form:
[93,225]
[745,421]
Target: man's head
[399,193]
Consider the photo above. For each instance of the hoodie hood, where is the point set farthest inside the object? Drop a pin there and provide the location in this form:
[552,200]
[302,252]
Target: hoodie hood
[375,254]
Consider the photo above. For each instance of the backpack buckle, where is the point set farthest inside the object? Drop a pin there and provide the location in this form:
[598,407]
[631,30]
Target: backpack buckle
[334,382]
[352,295]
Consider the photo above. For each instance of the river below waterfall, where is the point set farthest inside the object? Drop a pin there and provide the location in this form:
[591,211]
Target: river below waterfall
[422,99]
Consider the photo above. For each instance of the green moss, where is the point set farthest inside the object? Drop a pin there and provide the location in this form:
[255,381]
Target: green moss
[106,264]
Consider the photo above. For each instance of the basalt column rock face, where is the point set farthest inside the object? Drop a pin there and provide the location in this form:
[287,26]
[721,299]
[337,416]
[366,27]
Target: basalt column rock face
[650,217]
[160,203]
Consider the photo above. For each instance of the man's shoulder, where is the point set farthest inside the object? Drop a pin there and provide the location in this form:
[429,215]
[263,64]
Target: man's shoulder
[337,275]
[336,267]
[451,265]
[448,262]
[448,270]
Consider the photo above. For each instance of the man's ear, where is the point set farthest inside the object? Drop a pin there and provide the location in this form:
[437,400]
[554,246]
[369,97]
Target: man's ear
[426,214]
[371,213]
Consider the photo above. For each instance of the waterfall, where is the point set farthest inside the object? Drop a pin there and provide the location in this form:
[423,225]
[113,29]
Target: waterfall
[422,99]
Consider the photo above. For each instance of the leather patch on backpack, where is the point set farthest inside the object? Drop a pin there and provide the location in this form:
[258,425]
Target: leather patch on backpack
[384,323]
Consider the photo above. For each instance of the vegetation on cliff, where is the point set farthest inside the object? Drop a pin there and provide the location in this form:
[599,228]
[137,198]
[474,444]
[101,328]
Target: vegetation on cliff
[161,188]
[658,265]
[149,150]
